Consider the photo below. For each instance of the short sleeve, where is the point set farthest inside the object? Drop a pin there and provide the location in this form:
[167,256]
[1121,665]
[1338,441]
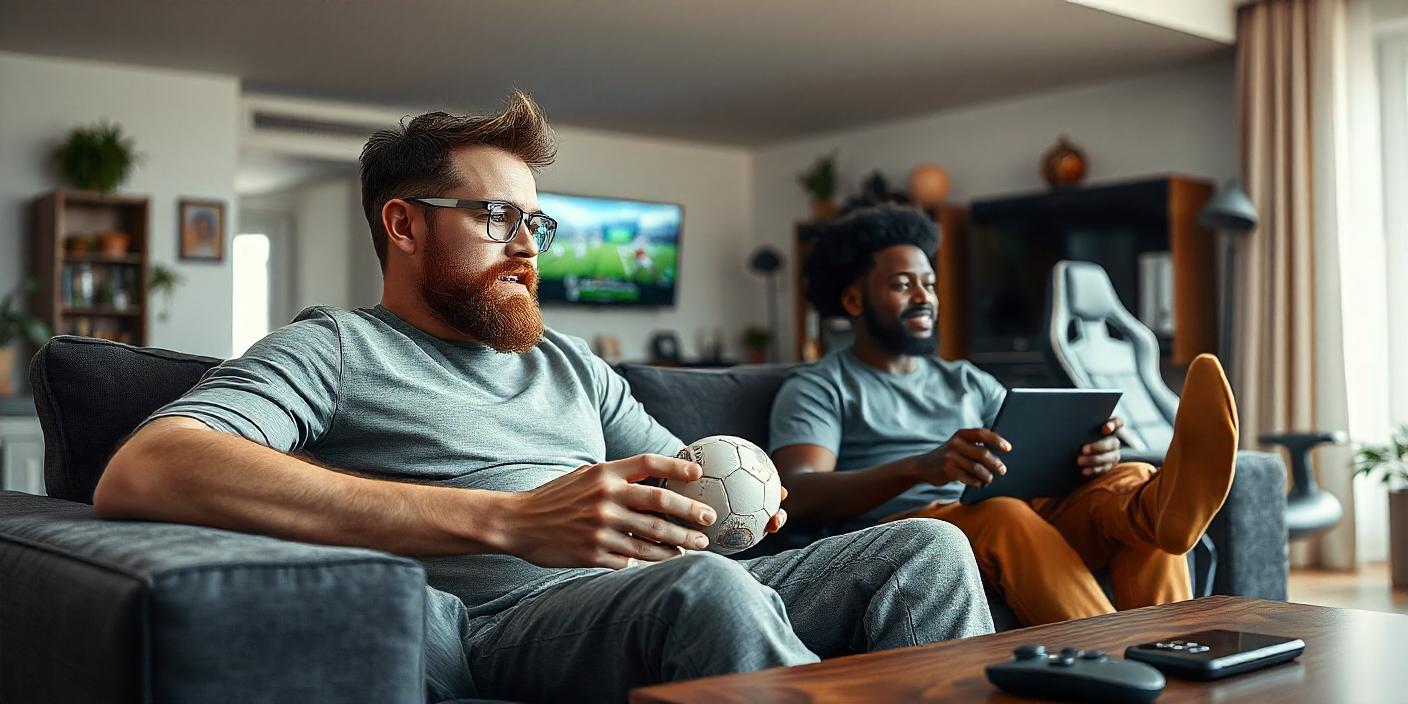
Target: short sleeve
[627,428]
[807,411]
[991,391]
[282,393]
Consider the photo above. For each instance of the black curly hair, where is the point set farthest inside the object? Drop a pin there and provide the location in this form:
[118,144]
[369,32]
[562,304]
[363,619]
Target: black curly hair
[843,250]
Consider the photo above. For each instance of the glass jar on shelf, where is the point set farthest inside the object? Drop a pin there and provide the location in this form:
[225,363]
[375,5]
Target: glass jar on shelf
[84,285]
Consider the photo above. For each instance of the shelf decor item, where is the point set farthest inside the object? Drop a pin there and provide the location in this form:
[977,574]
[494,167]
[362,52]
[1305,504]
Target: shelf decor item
[97,158]
[1063,164]
[79,244]
[202,234]
[114,243]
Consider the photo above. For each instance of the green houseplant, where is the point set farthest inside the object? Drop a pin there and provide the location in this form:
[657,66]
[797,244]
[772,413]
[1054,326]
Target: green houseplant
[17,325]
[163,281]
[819,181]
[96,158]
[755,342]
[1390,463]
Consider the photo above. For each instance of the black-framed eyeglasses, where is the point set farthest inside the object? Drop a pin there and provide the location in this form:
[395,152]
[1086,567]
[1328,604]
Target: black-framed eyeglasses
[502,219]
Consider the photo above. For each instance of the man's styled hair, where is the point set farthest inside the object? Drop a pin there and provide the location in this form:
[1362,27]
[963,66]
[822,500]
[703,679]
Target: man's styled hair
[843,250]
[414,159]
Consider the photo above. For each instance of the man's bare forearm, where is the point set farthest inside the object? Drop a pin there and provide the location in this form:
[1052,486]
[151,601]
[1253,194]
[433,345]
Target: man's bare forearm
[820,498]
[176,469]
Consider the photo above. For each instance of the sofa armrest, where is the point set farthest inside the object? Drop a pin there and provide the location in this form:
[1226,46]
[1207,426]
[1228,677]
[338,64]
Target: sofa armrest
[1250,530]
[105,611]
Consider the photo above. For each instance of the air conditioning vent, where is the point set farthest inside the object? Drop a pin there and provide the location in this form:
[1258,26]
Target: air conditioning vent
[265,120]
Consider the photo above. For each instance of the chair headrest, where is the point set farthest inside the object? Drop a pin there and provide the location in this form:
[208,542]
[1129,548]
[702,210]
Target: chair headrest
[1089,292]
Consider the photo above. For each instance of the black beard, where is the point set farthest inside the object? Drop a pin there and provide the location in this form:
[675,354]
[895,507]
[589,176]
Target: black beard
[892,335]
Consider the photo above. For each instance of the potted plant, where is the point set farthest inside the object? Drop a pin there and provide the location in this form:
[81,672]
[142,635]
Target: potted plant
[819,182]
[1390,462]
[114,243]
[755,343]
[163,280]
[14,326]
[96,158]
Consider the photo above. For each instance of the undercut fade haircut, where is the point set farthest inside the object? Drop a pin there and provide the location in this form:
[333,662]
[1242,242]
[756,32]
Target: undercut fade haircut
[414,158]
[843,250]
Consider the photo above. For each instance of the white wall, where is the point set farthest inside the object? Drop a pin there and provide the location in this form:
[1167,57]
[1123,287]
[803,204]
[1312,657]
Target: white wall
[1179,121]
[328,256]
[714,185]
[323,234]
[184,124]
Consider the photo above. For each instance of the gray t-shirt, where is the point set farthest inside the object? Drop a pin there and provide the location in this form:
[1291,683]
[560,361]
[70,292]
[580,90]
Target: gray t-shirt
[869,417]
[362,390]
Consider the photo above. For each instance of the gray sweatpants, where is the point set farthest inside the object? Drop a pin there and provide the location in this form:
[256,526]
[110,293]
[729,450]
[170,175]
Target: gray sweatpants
[595,638]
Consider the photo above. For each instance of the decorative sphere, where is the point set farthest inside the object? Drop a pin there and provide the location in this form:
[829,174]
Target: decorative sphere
[1063,164]
[928,184]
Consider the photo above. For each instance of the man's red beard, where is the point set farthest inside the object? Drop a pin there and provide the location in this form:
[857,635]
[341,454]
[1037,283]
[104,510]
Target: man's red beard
[470,304]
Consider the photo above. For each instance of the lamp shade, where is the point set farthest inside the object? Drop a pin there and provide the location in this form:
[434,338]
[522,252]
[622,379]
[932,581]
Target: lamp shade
[765,260]
[1229,210]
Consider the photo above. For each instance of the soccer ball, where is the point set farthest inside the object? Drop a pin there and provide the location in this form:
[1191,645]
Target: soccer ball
[740,483]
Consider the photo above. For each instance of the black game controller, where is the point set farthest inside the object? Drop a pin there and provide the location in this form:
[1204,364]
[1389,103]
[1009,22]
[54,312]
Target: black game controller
[1075,675]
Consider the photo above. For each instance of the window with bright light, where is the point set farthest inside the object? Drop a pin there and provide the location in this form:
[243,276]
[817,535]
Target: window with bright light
[251,305]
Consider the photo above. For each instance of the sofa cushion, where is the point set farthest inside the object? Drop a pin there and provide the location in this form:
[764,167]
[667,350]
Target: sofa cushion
[97,610]
[90,394]
[695,403]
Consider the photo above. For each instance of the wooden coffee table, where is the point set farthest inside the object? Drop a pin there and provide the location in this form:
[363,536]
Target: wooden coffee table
[1350,656]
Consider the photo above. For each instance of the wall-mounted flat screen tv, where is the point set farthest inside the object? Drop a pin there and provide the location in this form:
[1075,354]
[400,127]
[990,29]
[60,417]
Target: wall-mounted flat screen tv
[610,251]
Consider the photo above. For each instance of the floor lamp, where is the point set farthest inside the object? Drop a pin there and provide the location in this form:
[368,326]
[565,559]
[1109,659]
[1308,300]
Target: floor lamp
[1230,214]
[765,262]
[1309,510]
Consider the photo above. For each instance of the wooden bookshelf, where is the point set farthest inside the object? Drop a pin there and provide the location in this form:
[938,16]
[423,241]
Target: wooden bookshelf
[91,292]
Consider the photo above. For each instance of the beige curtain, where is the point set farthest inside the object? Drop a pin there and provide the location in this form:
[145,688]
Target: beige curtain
[1289,364]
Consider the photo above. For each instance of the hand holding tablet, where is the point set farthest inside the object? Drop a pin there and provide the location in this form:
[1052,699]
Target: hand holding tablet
[1046,431]
[965,457]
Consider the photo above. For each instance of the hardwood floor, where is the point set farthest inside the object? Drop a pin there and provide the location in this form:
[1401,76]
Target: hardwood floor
[1368,588]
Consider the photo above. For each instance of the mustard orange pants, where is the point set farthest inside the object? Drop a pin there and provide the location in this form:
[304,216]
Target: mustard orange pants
[1039,554]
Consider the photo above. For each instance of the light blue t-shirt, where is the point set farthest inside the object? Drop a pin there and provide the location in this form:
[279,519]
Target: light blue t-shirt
[364,391]
[869,417]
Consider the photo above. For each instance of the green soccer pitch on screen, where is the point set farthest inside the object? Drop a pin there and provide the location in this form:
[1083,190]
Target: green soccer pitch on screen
[610,251]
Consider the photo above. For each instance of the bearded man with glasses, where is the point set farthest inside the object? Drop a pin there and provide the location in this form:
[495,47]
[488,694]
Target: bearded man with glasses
[446,423]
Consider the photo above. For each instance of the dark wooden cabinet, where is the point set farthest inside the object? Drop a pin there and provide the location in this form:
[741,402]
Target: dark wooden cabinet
[1133,229]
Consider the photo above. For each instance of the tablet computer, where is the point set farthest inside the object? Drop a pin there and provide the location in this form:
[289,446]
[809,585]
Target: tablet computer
[1047,428]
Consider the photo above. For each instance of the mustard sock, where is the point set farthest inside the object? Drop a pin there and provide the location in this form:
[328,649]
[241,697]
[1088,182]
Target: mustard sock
[1183,496]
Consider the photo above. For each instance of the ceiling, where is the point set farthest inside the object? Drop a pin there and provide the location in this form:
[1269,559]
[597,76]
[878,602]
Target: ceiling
[730,71]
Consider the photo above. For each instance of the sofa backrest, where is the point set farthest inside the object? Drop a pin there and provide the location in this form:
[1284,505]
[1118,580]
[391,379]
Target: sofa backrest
[91,394]
[694,403]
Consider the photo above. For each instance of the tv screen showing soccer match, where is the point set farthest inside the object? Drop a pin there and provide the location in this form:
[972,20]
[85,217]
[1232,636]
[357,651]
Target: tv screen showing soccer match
[610,251]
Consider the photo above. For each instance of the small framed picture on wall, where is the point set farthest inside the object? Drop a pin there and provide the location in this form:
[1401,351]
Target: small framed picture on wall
[202,230]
